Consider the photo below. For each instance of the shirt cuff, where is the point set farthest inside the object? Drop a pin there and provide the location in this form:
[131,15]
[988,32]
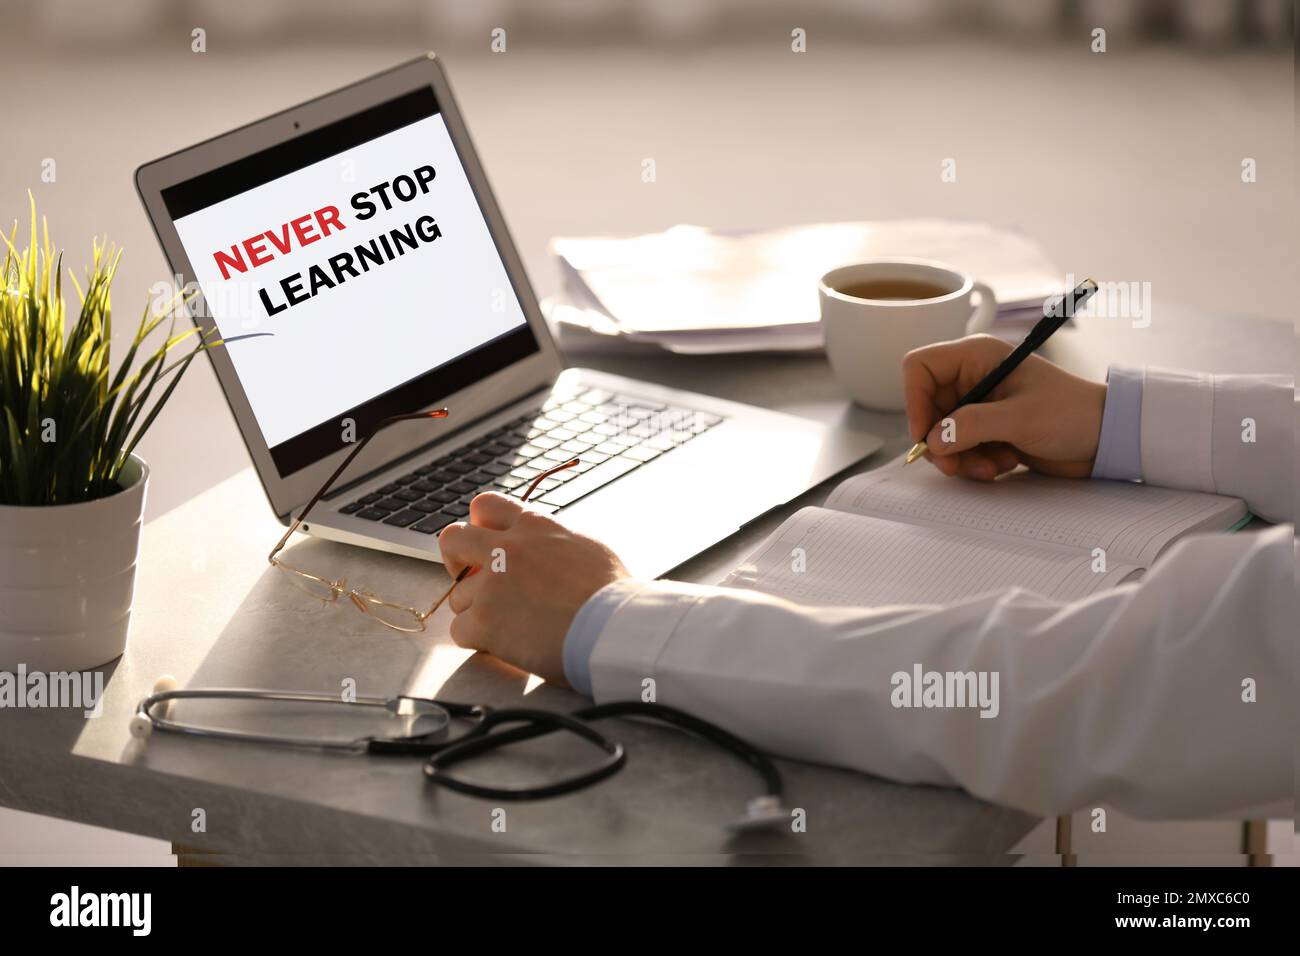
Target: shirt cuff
[583,634]
[1119,448]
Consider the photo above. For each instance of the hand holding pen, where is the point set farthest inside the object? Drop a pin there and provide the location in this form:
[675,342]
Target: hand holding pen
[1041,416]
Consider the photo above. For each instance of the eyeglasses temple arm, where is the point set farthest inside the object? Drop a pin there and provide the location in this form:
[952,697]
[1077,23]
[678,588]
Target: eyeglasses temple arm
[436,413]
[524,497]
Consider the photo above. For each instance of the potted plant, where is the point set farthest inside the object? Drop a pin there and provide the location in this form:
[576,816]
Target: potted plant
[72,490]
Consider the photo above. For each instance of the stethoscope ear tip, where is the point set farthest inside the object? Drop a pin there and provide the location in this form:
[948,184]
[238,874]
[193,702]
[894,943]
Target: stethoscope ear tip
[166,684]
[761,813]
[141,725]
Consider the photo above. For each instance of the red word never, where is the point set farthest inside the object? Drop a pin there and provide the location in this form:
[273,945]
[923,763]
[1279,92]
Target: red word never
[259,248]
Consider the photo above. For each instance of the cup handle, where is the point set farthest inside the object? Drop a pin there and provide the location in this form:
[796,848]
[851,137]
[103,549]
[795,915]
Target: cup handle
[985,312]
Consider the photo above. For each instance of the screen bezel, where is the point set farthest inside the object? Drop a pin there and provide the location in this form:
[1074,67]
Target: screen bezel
[499,388]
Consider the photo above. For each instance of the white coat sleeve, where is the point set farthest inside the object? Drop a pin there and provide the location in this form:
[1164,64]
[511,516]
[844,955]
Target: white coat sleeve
[1226,434]
[1164,698]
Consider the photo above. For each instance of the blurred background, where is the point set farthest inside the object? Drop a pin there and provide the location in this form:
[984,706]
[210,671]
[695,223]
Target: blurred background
[1125,163]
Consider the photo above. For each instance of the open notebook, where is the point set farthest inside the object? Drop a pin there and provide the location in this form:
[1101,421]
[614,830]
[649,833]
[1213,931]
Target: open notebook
[900,535]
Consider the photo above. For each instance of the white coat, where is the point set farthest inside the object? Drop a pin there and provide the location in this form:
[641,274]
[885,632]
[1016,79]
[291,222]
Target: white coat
[1172,696]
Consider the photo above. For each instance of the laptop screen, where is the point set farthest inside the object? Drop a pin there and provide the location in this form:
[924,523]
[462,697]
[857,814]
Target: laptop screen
[357,265]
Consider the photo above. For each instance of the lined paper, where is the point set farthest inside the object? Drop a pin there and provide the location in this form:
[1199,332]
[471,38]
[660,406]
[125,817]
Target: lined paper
[1133,523]
[828,557]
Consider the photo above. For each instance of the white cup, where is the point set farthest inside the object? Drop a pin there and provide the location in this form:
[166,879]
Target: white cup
[866,339]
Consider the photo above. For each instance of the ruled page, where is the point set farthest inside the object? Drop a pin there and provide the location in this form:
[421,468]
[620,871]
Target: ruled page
[1133,523]
[825,557]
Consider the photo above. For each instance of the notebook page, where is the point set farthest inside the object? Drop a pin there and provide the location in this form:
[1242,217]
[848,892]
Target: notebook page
[830,557]
[1133,523]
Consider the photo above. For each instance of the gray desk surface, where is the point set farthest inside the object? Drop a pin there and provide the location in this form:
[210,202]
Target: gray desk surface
[210,612]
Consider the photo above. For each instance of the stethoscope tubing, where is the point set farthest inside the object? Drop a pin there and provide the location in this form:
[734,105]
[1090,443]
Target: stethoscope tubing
[480,740]
[538,722]
[712,733]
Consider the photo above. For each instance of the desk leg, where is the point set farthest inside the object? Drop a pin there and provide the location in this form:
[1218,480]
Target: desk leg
[1254,843]
[193,856]
[1064,843]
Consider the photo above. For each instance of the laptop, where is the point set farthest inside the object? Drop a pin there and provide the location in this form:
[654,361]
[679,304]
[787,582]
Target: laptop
[351,255]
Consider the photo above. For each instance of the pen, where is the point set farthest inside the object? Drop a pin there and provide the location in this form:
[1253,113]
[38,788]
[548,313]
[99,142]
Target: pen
[1054,316]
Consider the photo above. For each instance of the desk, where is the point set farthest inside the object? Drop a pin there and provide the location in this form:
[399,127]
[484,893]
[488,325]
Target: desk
[209,611]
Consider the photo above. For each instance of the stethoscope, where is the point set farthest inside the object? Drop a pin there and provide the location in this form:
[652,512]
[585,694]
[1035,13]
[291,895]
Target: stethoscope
[427,721]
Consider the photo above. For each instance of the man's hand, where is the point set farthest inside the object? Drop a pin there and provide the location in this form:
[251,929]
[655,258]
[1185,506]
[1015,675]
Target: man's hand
[531,574]
[1040,416]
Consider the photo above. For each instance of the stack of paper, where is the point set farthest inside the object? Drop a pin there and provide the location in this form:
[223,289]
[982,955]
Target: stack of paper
[691,289]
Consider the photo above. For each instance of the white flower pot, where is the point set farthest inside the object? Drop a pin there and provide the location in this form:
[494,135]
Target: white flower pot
[67,576]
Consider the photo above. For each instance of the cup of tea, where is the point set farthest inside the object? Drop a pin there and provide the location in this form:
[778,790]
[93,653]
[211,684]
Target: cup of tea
[873,313]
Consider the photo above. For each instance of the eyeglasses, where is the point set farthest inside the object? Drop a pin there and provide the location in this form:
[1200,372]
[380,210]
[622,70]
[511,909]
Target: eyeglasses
[399,617]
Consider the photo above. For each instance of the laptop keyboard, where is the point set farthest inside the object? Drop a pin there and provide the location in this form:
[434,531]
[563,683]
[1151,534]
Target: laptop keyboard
[609,434]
